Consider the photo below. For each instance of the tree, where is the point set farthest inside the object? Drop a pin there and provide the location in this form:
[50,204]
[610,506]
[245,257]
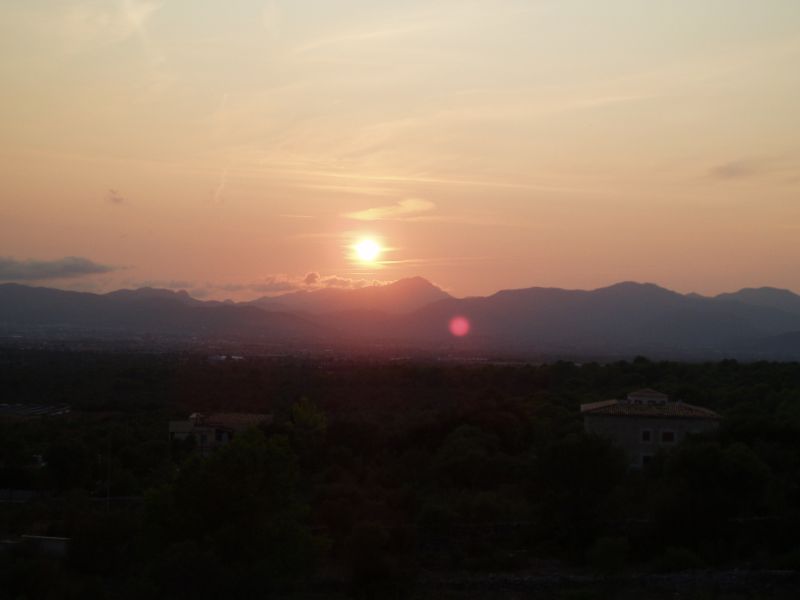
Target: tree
[241,505]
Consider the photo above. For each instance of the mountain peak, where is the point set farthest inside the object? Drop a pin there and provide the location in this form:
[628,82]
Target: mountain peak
[764,290]
[401,296]
[149,293]
[417,282]
[768,297]
[634,285]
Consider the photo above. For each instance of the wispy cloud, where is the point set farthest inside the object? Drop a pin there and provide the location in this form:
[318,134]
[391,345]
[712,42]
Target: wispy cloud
[746,168]
[734,170]
[368,34]
[39,270]
[401,210]
[296,216]
[80,26]
[220,189]
[114,197]
[275,285]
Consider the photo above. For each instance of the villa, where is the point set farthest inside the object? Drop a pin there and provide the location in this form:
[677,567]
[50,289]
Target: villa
[645,422]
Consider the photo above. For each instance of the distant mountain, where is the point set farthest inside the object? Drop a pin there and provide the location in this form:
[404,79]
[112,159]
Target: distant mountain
[616,321]
[402,296]
[142,311]
[621,319]
[149,293]
[785,346]
[768,297]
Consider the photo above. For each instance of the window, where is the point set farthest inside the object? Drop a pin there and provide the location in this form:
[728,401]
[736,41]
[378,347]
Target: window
[218,435]
[647,435]
[668,437]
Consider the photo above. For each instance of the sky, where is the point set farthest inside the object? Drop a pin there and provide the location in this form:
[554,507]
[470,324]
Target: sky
[241,148]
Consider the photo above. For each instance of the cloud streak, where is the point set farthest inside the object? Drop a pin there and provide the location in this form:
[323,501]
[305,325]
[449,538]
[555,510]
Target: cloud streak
[409,207]
[39,270]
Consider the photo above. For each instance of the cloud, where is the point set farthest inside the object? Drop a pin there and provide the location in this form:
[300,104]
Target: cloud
[278,284]
[405,208]
[339,282]
[268,285]
[335,281]
[271,285]
[38,270]
[737,169]
[170,284]
[275,284]
[312,280]
[88,24]
[114,197]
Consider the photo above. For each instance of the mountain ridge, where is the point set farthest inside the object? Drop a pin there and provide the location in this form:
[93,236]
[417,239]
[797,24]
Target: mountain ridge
[621,319]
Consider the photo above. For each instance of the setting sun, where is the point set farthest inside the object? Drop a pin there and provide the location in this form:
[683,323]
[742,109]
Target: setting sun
[367,250]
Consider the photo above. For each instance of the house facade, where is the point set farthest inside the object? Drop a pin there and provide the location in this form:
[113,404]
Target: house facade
[215,430]
[645,422]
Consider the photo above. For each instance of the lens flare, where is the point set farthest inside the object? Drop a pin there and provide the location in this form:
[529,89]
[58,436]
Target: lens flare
[459,326]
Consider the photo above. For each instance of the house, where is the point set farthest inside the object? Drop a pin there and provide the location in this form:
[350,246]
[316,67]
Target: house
[214,430]
[645,422]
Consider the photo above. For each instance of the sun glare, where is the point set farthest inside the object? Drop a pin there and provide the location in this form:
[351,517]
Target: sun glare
[367,250]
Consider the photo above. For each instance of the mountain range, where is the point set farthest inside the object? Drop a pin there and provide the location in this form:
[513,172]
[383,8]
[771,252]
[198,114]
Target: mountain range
[616,321]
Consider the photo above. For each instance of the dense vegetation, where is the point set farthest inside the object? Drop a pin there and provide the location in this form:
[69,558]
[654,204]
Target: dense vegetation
[373,475]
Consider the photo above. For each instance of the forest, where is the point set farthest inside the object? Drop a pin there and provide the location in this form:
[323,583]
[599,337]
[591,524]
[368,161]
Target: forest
[385,479]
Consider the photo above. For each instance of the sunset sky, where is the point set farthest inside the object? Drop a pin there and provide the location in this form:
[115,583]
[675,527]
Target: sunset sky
[234,148]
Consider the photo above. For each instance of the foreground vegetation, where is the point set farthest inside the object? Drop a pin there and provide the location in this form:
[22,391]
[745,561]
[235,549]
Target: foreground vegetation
[374,478]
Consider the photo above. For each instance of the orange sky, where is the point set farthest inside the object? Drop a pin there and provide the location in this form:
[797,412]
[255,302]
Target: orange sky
[233,148]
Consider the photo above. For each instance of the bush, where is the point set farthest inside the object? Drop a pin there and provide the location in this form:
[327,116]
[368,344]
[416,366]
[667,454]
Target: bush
[677,559]
[609,555]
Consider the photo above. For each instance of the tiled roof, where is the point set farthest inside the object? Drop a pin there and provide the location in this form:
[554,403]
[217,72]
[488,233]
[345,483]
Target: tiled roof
[622,408]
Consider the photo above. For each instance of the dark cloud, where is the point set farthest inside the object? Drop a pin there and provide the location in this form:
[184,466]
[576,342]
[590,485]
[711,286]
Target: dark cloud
[114,197]
[37,270]
[311,278]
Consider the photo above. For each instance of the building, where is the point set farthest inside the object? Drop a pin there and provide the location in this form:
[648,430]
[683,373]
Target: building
[215,430]
[645,422]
